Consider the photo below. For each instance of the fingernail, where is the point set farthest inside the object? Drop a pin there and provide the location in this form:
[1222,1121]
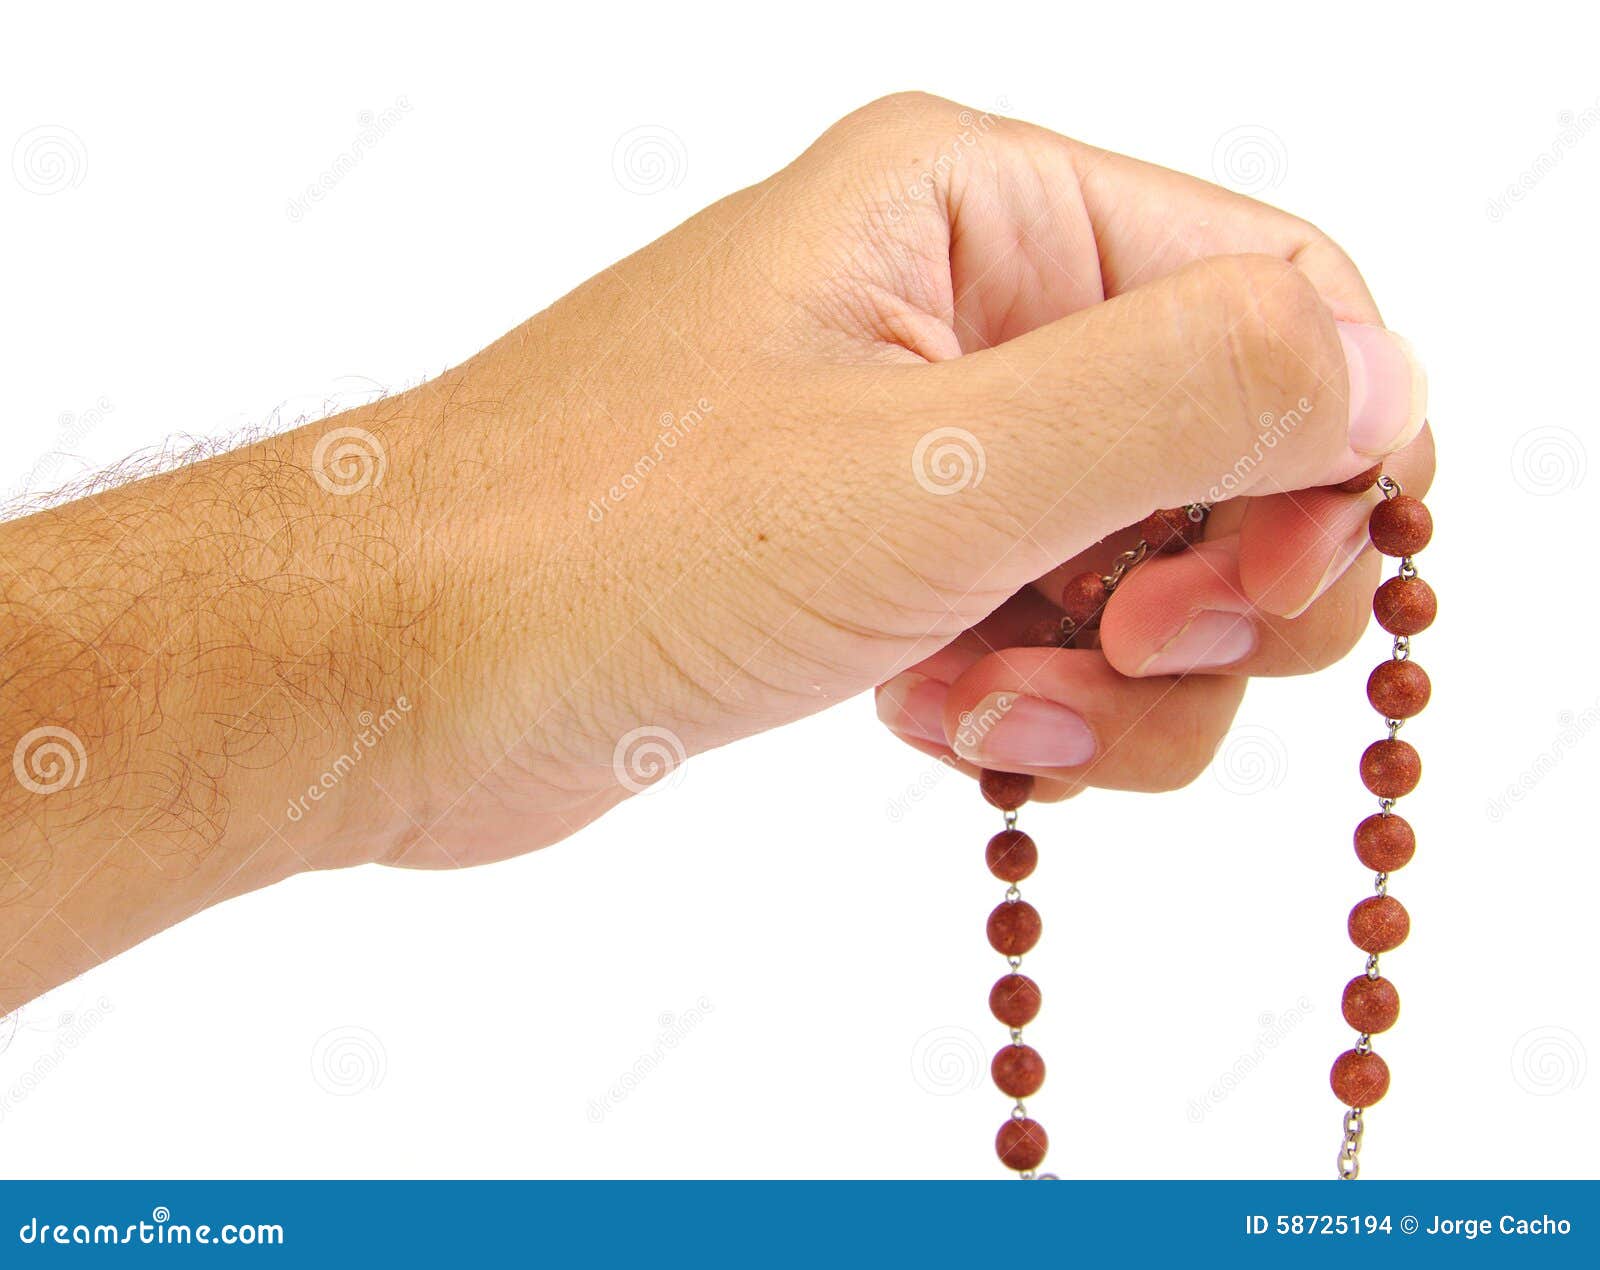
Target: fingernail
[1388,389]
[1348,552]
[1017,731]
[914,704]
[1206,641]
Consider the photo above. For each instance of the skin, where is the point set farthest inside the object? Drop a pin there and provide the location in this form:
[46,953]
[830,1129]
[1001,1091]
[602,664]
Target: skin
[494,588]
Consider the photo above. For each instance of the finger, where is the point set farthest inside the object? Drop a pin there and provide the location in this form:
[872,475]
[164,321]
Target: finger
[1187,613]
[1226,378]
[1065,714]
[1294,547]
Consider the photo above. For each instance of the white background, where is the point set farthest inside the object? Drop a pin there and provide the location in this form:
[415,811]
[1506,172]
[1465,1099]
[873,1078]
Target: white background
[803,914]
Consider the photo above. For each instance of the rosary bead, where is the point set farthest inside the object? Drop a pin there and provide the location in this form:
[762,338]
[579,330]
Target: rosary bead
[1014,928]
[1370,1005]
[1385,843]
[1011,855]
[1083,599]
[1021,1144]
[1379,924]
[1014,1000]
[1405,606]
[1018,1071]
[1170,529]
[1391,769]
[1005,790]
[1361,482]
[1045,633]
[1398,689]
[1358,1079]
[1400,526]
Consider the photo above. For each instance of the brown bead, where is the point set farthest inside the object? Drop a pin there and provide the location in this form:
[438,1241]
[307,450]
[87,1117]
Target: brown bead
[1370,1005]
[1391,769]
[1379,924]
[1018,1071]
[1014,1000]
[1404,606]
[1021,1144]
[1011,855]
[1083,599]
[1400,526]
[1014,927]
[1045,633]
[1361,482]
[1005,790]
[1171,529]
[1398,689]
[1385,843]
[1358,1079]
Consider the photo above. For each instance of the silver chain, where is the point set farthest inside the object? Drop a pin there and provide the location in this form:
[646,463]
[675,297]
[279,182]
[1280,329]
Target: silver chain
[1350,1151]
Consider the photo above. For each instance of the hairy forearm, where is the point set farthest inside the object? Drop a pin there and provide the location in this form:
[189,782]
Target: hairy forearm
[187,663]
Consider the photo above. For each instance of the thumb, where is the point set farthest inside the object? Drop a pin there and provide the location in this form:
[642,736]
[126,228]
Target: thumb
[1229,377]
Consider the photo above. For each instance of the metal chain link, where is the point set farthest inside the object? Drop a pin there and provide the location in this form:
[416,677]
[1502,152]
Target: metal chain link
[1350,1150]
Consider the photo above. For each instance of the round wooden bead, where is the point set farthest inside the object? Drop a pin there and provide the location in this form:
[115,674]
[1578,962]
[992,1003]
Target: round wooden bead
[1014,927]
[1171,529]
[1358,1079]
[1045,633]
[1011,855]
[1014,1000]
[1018,1071]
[1021,1144]
[1405,606]
[1400,526]
[1370,1005]
[1361,482]
[1398,689]
[1005,790]
[1391,769]
[1379,924]
[1385,843]
[1083,598]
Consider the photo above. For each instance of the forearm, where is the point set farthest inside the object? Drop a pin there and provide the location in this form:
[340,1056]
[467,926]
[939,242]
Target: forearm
[187,665]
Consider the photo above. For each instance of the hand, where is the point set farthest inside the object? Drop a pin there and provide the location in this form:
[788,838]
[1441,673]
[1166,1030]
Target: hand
[851,426]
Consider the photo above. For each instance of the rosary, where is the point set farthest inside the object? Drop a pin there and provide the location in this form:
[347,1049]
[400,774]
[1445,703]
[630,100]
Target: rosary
[1398,688]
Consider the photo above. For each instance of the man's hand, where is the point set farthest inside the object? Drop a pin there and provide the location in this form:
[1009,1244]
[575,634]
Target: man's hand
[849,427]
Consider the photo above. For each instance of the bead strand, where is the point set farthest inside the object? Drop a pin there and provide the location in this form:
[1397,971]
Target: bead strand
[1014,926]
[1398,689]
